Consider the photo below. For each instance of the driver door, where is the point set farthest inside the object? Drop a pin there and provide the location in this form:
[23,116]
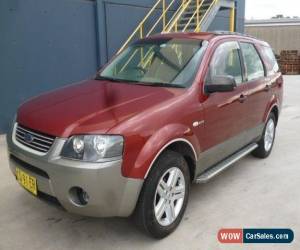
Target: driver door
[224,112]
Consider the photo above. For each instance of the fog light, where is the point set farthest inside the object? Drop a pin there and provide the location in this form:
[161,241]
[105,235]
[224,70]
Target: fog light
[79,196]
[83,196]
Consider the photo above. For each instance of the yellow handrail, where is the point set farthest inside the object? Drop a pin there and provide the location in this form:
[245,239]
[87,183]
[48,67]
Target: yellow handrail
[179,10]
[206,13]
[173,23]
[232,19]
[139,28]
[195,13]
[167,27]
[185,4]
[163,15]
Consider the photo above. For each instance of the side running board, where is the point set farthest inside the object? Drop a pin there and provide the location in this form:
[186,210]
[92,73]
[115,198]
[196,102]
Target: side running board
[220,167]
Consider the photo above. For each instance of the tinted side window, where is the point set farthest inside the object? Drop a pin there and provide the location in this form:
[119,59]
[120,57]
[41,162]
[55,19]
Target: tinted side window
[226,61]
[253,63]
[272,64]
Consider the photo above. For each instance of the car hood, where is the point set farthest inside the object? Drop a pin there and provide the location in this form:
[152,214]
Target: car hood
[90,107]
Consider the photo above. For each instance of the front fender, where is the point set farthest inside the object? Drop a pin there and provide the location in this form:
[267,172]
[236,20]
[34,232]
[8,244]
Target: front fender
[159,141]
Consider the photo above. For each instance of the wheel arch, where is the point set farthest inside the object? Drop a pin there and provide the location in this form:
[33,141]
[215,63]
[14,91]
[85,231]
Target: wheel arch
[272,109]
[275,111]
[183,147]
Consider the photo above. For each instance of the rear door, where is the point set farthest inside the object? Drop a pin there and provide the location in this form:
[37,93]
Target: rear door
[259,93]
[224,112]
[274,76]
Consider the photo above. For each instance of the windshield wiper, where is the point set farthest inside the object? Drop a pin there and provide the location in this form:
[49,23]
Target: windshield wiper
[161,84]
[154,84]
[101,78]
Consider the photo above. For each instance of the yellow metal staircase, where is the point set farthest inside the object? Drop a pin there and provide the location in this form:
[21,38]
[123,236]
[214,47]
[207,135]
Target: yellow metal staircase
[188,15]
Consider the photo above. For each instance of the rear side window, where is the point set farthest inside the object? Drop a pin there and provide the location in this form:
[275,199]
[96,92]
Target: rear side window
[253,63]
[226,62]
[269,56]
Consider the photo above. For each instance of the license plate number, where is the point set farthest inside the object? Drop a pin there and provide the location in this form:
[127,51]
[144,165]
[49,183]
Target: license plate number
[26,181]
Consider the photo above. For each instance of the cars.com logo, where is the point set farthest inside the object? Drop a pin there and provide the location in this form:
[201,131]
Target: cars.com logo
[255,236]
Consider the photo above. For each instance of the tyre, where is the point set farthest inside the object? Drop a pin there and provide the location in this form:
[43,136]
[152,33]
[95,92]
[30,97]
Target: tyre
[265,144]
[164,196]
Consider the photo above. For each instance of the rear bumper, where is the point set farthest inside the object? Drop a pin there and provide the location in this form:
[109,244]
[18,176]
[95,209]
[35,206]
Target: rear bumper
[110,194]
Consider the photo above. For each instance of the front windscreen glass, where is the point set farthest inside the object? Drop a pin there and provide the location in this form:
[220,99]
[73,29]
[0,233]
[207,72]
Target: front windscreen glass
[166,62]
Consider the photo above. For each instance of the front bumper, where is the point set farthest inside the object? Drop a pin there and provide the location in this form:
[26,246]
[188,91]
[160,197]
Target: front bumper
[110,194]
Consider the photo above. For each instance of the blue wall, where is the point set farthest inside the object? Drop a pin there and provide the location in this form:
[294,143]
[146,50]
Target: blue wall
[45,44]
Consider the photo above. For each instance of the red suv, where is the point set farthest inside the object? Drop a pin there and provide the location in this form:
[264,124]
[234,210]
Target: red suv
[168,111]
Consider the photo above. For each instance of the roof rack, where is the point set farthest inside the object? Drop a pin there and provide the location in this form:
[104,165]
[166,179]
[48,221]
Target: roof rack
[224,32]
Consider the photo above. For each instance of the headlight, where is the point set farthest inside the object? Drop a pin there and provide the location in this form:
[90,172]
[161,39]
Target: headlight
[93,148]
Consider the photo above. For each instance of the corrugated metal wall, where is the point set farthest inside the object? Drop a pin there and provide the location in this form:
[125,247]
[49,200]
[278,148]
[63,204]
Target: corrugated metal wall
[279,37]
[45,44]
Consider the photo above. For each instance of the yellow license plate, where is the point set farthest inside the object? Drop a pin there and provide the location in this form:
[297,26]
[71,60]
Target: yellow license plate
[27,181]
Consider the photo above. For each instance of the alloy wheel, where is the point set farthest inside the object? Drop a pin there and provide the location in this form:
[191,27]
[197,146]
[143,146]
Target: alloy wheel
[169,196]
[269,135]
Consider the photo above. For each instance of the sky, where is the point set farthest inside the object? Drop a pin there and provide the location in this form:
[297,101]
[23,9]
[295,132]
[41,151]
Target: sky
[264,9]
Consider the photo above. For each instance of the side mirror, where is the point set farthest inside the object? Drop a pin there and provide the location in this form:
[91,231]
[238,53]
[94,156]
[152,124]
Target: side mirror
[221,84]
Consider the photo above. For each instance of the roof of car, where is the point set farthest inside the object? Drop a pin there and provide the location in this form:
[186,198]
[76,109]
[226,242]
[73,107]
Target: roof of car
[192,35]
[205,36]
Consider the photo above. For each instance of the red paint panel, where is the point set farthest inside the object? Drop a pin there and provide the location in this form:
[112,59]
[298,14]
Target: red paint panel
[89,107]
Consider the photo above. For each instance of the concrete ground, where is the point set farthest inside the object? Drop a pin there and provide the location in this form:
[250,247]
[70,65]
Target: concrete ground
[253,193]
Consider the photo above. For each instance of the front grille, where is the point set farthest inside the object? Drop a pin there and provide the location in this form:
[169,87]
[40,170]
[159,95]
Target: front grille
[33,139]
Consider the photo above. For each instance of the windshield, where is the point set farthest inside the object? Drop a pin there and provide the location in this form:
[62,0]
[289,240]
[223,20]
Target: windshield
[167,62]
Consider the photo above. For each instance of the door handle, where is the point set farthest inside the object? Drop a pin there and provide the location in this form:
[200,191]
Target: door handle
[243,98]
